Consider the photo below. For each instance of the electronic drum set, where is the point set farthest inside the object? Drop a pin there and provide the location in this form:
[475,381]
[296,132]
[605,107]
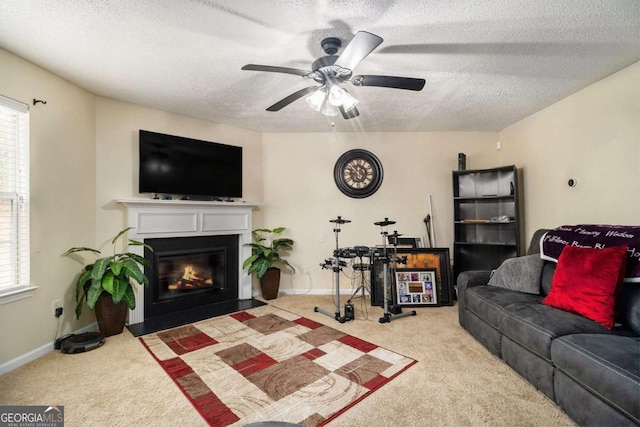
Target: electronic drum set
[382,254]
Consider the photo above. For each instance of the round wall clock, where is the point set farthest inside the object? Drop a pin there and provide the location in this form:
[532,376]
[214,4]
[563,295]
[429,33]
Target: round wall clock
[358,173]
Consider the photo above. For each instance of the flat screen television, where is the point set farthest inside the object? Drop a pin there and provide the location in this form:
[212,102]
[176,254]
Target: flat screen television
[178,166]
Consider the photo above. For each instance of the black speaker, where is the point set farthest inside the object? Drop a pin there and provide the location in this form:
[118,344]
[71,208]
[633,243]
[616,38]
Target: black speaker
[462,161]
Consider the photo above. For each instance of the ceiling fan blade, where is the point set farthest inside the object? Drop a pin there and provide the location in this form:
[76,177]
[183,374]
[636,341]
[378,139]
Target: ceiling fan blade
[349,114]
[272,69]
[407,83]
[362,44]
[293,97]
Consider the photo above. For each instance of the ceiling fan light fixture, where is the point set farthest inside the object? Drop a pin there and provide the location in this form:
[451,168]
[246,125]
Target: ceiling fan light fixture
[316,99]
[338,97]
[348,102]
[329,110]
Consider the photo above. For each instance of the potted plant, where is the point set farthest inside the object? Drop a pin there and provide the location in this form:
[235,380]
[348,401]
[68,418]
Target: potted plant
[107,285]
[265,252]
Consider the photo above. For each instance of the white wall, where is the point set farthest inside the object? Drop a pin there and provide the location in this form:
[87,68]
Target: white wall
[592,136]
[300,192]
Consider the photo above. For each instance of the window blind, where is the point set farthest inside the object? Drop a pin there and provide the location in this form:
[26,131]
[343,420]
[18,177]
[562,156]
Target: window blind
[14,195]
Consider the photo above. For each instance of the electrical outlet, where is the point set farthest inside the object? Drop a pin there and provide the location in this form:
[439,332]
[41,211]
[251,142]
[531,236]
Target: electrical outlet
[55,305]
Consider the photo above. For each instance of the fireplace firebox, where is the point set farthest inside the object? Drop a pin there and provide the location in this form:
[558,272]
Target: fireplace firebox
[190,272]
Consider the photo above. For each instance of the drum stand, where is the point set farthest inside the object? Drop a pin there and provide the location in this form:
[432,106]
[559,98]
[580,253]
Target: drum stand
[361,268]
[336,267]
[388,316]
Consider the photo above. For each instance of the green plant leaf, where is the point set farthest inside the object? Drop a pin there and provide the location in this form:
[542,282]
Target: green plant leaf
[282,244]
[79,305]
[116,267]
[81,249]
[130,298]
[99,268]
[107,281]
[113,242]
[262,269]
[285,262]
[249,260]
[137,258]
[131,269]
[81,283]
[278,230]
[120,286]
[92,296]
[138,243]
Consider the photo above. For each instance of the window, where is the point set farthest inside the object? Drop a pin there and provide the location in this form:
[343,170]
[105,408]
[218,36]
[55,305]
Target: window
[14,201]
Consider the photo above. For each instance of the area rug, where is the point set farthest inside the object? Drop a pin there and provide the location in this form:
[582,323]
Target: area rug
[267,364]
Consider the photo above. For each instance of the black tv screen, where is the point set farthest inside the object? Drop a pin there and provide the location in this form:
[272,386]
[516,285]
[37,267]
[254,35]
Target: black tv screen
[174,165]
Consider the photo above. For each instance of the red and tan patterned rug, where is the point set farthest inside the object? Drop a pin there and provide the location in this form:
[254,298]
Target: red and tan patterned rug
[267,364]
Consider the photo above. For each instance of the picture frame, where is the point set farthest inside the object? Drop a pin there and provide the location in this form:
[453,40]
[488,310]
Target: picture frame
[416,287]
[407,241]
[421,258]
[430,258]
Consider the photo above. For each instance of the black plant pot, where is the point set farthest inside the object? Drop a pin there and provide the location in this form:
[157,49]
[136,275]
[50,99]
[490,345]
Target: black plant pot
[270,283]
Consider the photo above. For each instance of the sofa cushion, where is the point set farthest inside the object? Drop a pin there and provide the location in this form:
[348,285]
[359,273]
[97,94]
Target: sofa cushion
[520,274]
[547,276]
[535,326]
[628,306]
[606,365]
[586,281]
[488,301]
[533,368]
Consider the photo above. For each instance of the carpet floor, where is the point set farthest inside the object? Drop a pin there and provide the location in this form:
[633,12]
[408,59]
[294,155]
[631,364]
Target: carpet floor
[456,381]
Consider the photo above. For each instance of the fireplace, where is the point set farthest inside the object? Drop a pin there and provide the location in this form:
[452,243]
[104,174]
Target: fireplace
[153,219]
[189,272]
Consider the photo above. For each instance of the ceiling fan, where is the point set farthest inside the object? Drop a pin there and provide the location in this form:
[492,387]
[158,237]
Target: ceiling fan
[332,70]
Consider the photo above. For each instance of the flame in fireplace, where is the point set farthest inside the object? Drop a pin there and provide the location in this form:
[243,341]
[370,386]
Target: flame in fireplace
[190,280]
[189,273]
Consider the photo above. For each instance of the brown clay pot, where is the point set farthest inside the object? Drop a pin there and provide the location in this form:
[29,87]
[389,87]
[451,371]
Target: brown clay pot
[270,283]
[111,317]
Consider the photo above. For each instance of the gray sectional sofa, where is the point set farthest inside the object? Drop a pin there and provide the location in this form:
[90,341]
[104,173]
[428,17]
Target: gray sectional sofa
[591,372]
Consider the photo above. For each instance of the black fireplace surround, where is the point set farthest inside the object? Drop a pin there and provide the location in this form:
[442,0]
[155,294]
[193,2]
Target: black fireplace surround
[189,272]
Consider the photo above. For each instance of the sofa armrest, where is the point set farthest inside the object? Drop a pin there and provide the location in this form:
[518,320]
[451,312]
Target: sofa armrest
[465,280]
[470,278]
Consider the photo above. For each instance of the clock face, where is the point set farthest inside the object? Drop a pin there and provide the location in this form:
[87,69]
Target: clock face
[358,173]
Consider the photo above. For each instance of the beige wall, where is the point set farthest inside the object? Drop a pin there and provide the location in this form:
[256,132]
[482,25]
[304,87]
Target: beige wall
[117,126]
[300,192]
[592,136]
[62,135]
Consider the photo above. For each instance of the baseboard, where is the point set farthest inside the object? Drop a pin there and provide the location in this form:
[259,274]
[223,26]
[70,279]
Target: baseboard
[38,352]
[308,292]
[314,291]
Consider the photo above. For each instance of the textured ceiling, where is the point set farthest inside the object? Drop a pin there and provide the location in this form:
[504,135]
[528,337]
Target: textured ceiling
[487,64]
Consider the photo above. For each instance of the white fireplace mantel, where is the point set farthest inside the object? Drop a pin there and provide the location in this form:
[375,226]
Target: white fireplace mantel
[154,218]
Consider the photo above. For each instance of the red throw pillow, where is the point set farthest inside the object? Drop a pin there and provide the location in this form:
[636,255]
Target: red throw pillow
[586,281]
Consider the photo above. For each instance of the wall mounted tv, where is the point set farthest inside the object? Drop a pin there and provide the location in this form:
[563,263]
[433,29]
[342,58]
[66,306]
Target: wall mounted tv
[177,166]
